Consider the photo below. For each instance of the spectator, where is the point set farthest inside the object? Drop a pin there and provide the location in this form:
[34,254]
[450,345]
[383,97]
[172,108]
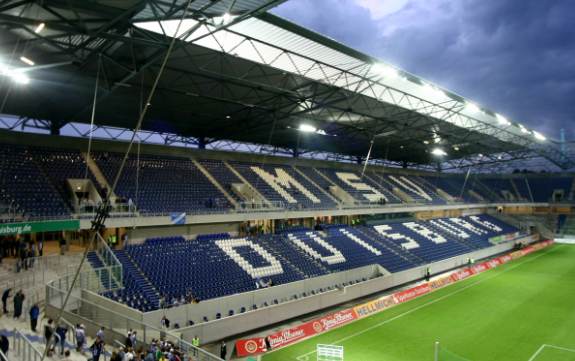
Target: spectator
[18,301]
[196,344]
[97,349]
[34,314]
[62,330]
[100,333]
[48,334]
[62,244]
[133,339]
[128,342]
[223,350]
[5,296]
[49,330]
[80,337]
[67,355]
[165,322]
[116,357]
[4,346]
[150,355]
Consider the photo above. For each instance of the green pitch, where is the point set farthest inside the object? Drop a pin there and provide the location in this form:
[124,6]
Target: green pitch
[521,311]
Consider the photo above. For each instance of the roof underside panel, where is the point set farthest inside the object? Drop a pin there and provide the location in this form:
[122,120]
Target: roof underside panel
[252,77]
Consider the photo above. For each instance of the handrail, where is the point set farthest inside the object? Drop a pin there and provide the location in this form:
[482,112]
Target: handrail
[3,356]
[110,259]
[25,348]
[119,344]
[71,330]
[115,316]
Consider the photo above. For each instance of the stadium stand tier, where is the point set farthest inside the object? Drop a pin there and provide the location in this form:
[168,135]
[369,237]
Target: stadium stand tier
[33,184]
[210,266]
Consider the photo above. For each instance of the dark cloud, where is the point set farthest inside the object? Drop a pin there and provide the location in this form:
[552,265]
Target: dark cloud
[516,57]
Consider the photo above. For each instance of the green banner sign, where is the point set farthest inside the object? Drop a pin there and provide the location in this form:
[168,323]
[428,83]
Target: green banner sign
[34,227]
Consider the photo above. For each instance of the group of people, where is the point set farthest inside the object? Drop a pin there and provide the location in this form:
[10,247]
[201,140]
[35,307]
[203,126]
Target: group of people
[159,350]
[18,302]
[55,335]
[167,302]
[22,248]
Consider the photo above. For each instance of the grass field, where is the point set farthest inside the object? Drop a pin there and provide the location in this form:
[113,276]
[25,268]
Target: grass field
[521,311]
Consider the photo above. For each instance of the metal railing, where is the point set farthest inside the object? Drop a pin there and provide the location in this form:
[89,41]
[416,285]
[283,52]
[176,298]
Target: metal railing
[94,315]
[24,348]
[110,261]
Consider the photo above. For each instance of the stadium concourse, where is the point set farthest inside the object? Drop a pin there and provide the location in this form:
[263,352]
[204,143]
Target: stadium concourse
[195,180]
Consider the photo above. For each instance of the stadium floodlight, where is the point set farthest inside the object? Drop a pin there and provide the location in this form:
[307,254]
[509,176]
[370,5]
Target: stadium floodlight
[39,28]
[539,136]
[456,148]
[438,152]
[19,77]
[472,107]
[226,18]
[523,129]
[502,120]
[431,90]
[385,71]
[307,128]
[26,60]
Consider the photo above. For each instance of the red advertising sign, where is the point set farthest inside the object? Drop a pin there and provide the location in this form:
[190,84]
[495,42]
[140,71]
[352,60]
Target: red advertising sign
[250,346]
[462,274]
[286,337]
[411,293]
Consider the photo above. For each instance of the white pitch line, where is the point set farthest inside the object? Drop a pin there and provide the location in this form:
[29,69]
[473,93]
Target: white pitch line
[429,303]
[537,352]
[561,348]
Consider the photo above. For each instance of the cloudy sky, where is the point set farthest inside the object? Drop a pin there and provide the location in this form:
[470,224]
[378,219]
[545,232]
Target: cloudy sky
[516,57]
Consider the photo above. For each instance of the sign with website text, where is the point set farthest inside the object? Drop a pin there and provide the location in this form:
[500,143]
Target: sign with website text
[34,227]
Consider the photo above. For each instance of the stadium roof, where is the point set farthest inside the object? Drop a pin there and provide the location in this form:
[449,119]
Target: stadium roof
[242,74]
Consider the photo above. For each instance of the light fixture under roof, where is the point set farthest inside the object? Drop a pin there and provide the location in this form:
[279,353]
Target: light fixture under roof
[539,136]
[523,129]
[502,120]
[385,71]
[472,107]
[432,90]
[26,60]
[438,152]
[39,28]
[17,75]
[307,128]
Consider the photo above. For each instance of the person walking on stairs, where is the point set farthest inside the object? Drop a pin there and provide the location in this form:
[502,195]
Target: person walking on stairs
[34,314]
[18,301]
[5,296]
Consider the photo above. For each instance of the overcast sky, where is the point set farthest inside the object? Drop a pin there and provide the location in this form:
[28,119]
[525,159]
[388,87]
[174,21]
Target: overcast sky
[516,57]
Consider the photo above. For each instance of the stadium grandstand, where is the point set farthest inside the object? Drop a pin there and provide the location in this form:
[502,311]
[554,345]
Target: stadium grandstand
[204,180]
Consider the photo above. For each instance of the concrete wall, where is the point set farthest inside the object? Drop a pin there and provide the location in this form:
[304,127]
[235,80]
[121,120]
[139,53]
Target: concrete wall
[189,231]
[154,221]
[210,308]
